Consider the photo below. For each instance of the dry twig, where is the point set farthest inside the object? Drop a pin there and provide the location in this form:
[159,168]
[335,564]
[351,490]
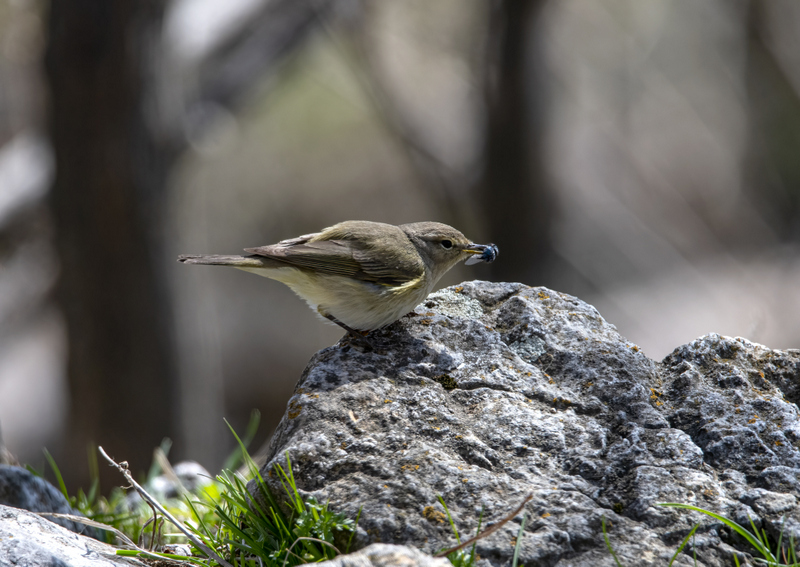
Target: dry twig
[488,531]
[154,503]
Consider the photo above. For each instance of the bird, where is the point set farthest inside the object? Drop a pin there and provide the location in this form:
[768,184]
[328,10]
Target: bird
[361,275]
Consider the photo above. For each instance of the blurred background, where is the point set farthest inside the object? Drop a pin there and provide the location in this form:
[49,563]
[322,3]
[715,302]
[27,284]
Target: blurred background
[642,155]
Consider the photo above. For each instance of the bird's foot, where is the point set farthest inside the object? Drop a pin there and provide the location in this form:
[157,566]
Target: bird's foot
[354,337]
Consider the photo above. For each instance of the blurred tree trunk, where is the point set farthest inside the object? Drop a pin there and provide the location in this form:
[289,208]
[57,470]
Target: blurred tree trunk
[772,170]
[107,204]
[514,195]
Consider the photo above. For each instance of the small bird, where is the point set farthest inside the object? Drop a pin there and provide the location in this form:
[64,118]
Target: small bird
[361,275]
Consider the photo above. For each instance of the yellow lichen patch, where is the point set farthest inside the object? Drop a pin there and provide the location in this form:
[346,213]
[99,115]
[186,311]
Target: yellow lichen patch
[546,515]
[459,289]
[753,419]
[387,401]
[654,395]
[433,515]
[425,322]
[635,348]
[294,410]
[543,295]
[409,467]
[464,480]
[778,443]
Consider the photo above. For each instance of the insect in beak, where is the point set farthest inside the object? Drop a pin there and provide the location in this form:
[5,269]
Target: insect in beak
[481,253]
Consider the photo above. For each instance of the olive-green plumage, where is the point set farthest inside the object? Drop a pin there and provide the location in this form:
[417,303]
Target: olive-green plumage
[362,275]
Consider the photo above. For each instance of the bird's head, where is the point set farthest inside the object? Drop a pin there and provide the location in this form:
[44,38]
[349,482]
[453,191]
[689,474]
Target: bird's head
[442,247]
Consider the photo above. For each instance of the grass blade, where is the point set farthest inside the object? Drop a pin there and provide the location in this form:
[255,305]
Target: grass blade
[355,528]
[61,485]
[754,540]
[608,543]
[237,457]
[450,519]
[478,531]
[519,541]
[683,543]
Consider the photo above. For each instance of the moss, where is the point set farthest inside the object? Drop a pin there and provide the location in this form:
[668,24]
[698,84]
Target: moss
[447,381]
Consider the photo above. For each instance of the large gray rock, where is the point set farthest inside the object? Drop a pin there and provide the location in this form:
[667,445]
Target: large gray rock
[496,391]
[28,540]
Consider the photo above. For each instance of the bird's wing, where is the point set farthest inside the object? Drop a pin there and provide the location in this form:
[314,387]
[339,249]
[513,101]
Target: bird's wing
[357,259]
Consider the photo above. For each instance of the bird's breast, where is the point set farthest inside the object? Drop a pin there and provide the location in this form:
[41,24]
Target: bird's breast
[360,305]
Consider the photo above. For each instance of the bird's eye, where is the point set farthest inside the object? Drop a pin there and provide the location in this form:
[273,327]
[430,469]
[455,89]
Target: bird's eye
[447,244]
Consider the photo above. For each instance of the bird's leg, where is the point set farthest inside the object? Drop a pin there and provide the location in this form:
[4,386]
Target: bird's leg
[343,326]
[358,336]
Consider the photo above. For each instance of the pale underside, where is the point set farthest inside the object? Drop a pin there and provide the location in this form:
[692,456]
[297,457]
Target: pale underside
[360,305]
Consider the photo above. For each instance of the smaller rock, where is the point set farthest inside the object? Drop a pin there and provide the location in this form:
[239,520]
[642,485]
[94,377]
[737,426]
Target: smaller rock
[191,475]
[19,488]
[386,555]
[28,539]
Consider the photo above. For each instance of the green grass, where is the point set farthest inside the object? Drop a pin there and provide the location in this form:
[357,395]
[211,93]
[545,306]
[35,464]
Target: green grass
[783,554]
[462,557]
[251,533]
[222,516]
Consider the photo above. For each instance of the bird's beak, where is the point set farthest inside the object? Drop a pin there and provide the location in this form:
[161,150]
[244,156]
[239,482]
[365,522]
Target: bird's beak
[481,253]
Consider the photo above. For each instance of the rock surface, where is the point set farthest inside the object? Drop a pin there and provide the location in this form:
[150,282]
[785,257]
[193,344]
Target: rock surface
[492,392]
[19,488]
[386,555]
[28,540]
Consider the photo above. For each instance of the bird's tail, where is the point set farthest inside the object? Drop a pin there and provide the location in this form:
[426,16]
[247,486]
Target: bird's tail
[233,261]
